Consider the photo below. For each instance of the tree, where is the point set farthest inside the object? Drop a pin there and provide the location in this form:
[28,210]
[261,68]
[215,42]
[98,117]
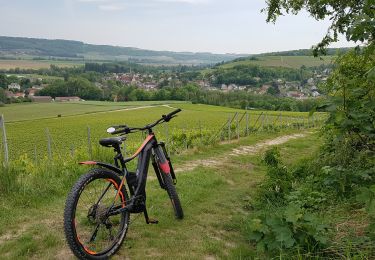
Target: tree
[352,114]
[352,82]
[80,87]
[353,18]
[25,83]
[3,81]
[3,97]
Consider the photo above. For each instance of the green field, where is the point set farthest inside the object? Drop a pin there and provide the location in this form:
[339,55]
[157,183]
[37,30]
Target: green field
[27,124]
[33,111]
[283,61]
[215,194]
[215,202]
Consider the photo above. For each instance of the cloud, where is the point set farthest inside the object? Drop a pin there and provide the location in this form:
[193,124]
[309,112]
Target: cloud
[112,7]
[106,5]
[118,5]
[94,1]
[186,1]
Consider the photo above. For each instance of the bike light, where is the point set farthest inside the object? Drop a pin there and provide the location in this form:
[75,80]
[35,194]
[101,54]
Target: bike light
[111,130]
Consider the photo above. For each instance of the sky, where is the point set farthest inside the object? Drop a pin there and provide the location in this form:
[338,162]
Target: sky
[217,26]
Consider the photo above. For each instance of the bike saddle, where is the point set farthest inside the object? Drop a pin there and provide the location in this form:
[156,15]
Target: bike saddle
[111,141]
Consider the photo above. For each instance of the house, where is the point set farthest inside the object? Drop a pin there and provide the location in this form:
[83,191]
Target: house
[232,87]
[9,94]
[224,87]
[295,94]
[203,83]
[19,94]
[127,79]
[67,99]
[310,81]
[263,89]
[150,86]
[32,91]
[39,87]
[41,99]
[14,86]
[315,93]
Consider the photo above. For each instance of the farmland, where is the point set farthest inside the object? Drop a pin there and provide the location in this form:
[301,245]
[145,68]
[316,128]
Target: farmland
[36,64]
[207,172]
[196,125]
[283,61]
[43,193]
[42,183]
[33,111]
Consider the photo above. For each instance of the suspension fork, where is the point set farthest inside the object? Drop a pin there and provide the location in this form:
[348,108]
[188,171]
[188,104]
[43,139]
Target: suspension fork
[157,172]
[163,165]
[173,175]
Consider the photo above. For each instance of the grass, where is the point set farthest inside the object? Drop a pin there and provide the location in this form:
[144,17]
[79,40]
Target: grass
[27,124]
[34,111]
[215,202]
[283,61]
[211,108]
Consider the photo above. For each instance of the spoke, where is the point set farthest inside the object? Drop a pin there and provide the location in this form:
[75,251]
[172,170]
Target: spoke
[99,231]
[93,236]
[104,192]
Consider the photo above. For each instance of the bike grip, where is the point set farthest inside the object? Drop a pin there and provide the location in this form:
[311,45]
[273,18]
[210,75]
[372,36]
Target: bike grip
[174,112]
[118,132]
[124,130]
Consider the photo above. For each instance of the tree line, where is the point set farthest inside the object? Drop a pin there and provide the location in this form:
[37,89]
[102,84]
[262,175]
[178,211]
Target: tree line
[114,90]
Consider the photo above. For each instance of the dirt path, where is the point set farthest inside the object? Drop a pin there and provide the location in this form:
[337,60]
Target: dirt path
[94,113]
[241,150]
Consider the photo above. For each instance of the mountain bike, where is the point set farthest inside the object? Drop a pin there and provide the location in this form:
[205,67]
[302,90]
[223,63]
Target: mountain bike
[98,208]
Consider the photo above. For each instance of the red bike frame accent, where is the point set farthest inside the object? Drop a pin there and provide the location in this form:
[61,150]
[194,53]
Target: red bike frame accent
[165,167]
[148,139]
[88,163]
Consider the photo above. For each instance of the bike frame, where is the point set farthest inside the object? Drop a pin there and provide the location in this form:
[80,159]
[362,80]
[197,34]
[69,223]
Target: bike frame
[136,182]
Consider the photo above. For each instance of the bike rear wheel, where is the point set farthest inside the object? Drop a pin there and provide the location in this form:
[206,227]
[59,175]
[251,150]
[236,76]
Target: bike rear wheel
[90,232]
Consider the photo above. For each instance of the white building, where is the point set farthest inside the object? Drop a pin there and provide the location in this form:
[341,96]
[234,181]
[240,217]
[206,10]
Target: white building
[315,94]
[14,86]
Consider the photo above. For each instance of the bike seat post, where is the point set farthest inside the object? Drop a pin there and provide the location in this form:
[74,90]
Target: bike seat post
[119,157]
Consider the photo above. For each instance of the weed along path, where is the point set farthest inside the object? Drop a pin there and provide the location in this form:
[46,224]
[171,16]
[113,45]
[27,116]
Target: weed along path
[215,187]
[241,150]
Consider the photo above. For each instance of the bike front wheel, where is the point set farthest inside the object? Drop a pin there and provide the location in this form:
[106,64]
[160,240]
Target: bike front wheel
[172,193]
[90,232]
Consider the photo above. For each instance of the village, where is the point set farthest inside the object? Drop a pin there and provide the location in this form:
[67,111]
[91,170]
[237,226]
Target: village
[16,92]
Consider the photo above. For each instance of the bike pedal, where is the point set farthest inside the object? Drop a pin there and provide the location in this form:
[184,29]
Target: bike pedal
[153,221]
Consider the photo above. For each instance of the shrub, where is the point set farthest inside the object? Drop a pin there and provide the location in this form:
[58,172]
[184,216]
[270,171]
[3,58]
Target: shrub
[290,227]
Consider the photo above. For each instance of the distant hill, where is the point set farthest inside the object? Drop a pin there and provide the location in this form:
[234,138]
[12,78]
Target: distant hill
[304,52]
[294,62]
[18,47]
[289,59]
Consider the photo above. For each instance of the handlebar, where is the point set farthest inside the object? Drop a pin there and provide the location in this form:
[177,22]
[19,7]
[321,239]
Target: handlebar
[170,115]
[124,129]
